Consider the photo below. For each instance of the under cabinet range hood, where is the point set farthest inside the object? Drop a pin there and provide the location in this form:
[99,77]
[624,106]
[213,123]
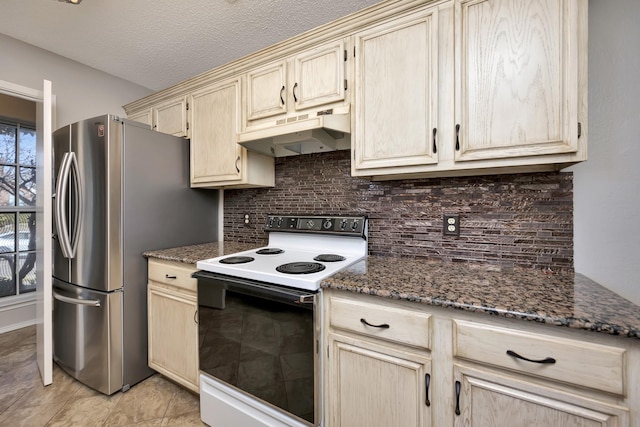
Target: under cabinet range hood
[303,134]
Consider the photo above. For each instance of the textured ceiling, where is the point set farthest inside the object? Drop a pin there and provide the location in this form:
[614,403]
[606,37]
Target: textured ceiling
[157,43]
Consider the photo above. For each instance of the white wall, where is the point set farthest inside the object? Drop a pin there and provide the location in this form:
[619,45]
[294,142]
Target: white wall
[81,92]
[607,186]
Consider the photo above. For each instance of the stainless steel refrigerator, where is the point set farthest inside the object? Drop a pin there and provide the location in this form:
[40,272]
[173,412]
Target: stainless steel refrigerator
[120,189]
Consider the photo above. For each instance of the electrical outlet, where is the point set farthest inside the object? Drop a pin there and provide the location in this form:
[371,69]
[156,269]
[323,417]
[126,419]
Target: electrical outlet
[451,224]
[246,219]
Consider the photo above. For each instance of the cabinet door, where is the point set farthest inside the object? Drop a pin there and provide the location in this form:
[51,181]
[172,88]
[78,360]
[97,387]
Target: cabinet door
[516,78]
[214,118]
[173,335]
[488,400]
[371,387]
[143,116]
[171,117]
[396,91]
[266,91]
[319,76]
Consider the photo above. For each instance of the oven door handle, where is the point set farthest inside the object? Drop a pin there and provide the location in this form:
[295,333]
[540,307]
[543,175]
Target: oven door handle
[307,299]
[301,297]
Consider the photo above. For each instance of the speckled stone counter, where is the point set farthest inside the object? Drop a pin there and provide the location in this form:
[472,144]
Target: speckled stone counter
[194,253]
[569,300]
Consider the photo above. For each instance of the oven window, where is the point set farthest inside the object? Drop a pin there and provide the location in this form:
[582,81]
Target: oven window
[262,347]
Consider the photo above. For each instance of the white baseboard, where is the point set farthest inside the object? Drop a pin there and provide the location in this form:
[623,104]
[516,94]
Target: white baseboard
[17,315]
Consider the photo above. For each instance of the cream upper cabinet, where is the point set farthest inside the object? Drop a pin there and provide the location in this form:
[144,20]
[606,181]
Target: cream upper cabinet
[167,117]
[267,91]
[519,85]
[469,87]
[396,95]
[171,117]
[312,78]
[144,116]
[216,159]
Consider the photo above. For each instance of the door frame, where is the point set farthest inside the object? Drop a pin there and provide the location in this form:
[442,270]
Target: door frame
[45,119]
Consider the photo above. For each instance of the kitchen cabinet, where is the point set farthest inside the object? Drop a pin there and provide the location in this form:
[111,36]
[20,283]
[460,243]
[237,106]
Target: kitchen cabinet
[395,106]
[489,86]
[167,117]
[172,322]
[377,374]
[216,159]
[312,78]
[486,397]
[518,81]
[478,370]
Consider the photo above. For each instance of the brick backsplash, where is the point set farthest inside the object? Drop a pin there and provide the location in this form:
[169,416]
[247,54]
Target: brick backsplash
[508,221]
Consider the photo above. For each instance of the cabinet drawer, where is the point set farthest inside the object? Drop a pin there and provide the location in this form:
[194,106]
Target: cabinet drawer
[577,362]
[404,326]
[174,274]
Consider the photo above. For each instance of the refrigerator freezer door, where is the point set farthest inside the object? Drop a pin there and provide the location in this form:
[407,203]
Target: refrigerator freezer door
[87,337]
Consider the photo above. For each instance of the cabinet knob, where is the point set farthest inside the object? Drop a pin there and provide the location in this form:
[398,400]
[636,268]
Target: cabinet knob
[458,386]
[295,98]
[281,95]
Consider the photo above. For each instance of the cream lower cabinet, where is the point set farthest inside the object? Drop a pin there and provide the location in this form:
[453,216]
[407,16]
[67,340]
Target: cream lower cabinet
[217,161]
[490,399]
[172,322]
[374,385]
[385,359]
[378,368]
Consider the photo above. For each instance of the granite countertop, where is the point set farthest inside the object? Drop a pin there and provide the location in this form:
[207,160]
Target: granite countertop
[571,300]
[194,253]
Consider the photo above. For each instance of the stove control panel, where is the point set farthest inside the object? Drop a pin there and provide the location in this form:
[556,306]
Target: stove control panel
[341,225]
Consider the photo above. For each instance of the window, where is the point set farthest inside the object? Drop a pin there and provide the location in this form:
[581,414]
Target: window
[17,208]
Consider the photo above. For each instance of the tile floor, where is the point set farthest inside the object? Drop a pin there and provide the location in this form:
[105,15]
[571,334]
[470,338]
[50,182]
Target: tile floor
[24,401]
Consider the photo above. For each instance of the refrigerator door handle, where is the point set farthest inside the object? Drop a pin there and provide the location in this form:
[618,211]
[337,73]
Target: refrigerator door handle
[68,169]
[93,302]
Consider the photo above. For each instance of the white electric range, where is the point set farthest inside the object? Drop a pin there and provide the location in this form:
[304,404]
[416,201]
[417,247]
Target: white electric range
[302,251]
[259,314]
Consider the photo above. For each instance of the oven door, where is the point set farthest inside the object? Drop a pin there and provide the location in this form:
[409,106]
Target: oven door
[261,340]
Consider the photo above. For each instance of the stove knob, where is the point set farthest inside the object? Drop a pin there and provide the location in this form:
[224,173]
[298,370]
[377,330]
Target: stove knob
[327,224]
[310,223]
[354,226]
[270,224]
[279,222]
[343,224]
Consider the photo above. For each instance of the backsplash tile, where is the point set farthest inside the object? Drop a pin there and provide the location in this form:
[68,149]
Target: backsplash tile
[510,221]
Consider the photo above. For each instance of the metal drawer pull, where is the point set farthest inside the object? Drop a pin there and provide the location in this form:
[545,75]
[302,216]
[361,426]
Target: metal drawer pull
[170,277]
[427,381]
[549,360]
[457,397]
[382,326]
